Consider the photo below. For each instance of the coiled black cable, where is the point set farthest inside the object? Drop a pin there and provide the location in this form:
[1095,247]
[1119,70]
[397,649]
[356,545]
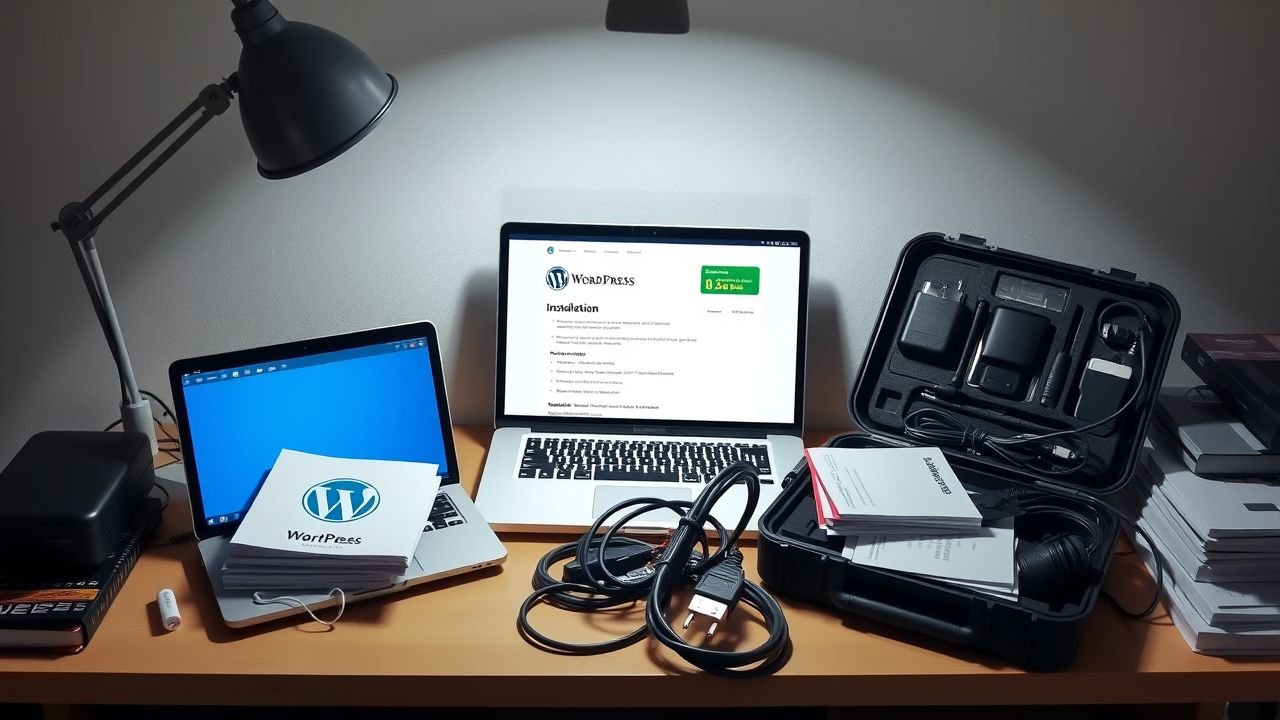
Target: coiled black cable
[1059,563]
[673,564]
[1062,452]
[1033,452]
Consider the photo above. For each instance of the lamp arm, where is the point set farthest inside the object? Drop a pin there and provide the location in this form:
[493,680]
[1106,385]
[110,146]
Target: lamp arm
[79,224]
[99,310]
[78,221]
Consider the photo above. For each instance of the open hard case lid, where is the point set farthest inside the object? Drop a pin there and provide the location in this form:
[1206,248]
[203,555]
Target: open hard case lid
[1072,302]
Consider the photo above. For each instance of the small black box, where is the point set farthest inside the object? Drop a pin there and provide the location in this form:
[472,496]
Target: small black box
[1012,350]
[1015,339]
[69,495]
[934,328]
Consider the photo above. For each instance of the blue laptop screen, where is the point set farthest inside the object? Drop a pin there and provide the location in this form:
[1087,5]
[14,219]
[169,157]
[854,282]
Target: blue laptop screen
[376,402]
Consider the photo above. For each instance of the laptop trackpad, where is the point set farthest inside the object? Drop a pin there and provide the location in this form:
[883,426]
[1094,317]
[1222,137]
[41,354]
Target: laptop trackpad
[609,495]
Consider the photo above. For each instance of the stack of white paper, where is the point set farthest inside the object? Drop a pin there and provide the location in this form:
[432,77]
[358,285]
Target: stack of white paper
[1220,543]
[889,491]
[1203,558]
[322,522]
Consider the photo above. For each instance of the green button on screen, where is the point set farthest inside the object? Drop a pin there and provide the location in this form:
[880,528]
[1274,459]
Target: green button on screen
[730,280]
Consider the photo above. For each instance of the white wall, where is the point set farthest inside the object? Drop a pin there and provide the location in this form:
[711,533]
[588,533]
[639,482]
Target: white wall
[1139,134]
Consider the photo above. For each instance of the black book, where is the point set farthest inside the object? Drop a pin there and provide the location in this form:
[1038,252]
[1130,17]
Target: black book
[1244,371]
[1213,440]
[59,613]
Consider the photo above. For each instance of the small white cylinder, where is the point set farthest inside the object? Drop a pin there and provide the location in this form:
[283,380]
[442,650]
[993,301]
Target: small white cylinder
[169,616]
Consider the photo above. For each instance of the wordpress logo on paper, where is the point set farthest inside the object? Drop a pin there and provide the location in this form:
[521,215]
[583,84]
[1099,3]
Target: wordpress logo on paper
[340,500]
[557,278]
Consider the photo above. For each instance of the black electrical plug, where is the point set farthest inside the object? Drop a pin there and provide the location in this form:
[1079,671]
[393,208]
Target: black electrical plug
[717,591]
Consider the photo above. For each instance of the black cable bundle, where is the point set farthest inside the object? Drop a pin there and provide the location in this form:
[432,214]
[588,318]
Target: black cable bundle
[1062,452]
[608,570]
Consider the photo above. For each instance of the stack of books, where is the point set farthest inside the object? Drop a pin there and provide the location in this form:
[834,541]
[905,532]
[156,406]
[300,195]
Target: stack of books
[1218,536]
[1211,439]
[1244,369]
[59,611]
[320,522]
[904,509]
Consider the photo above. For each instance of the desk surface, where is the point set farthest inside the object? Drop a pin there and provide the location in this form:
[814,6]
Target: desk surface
[455,643]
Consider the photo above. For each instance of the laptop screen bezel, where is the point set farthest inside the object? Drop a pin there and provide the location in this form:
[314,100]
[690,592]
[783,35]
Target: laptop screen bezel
[643,233]
[293,350]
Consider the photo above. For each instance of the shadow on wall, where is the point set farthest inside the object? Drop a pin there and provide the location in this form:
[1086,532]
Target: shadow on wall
[1149,107]
[827,383]
[1162,112]
[1064,82]
[469,371]
[1179,144]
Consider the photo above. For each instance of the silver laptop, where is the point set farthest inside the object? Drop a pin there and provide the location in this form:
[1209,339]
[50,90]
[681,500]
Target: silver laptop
[376,394]
[640,361]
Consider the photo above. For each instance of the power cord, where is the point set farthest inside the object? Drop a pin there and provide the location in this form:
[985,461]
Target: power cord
[166,442]
[1029,452]
[608,570]
[168,413]
[1159,561]
[1061,452]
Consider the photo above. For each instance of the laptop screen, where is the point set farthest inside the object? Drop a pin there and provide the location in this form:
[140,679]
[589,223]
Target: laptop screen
[699,329]
[375,402]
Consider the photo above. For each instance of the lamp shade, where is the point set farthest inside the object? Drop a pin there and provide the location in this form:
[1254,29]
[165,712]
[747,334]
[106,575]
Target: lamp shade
[306,94]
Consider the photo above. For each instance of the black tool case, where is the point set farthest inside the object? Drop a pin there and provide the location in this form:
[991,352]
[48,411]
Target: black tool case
[798,558]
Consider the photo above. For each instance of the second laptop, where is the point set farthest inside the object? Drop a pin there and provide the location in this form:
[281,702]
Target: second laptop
[639,362]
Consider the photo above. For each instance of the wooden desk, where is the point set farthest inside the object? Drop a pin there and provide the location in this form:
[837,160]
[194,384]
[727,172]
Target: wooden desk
[455,643]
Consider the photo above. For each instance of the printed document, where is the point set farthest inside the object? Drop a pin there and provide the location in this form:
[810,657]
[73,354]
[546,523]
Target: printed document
[889,491]
[983,558]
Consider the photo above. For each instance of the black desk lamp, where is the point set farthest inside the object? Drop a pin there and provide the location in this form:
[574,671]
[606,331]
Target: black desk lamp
[306,96]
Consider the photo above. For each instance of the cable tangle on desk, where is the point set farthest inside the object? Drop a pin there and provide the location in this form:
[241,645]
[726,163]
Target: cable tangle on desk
[607,570]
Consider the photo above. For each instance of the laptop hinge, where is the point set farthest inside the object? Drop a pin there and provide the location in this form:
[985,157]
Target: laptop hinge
[674,430]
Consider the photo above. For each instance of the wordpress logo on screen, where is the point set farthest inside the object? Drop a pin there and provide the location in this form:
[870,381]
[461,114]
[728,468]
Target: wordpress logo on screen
[340,500]
[557,278]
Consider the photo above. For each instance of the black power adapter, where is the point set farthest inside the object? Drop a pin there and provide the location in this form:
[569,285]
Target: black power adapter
[1011,352]
[936,324]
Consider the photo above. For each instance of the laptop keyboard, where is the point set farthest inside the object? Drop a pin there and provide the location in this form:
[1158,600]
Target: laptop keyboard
[645,460]
[443,514]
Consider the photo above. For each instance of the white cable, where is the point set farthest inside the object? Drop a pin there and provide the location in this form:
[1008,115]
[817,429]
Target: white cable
[295,602]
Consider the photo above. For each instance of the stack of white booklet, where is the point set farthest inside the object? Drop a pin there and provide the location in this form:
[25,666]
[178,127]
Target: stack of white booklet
[321,522]
[889,491]
[1220,543]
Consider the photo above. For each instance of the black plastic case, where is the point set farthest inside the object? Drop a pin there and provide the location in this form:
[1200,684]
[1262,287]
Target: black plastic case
[797,558]
[70,494]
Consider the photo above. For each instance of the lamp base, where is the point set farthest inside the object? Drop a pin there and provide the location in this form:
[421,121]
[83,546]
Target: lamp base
[137,417]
